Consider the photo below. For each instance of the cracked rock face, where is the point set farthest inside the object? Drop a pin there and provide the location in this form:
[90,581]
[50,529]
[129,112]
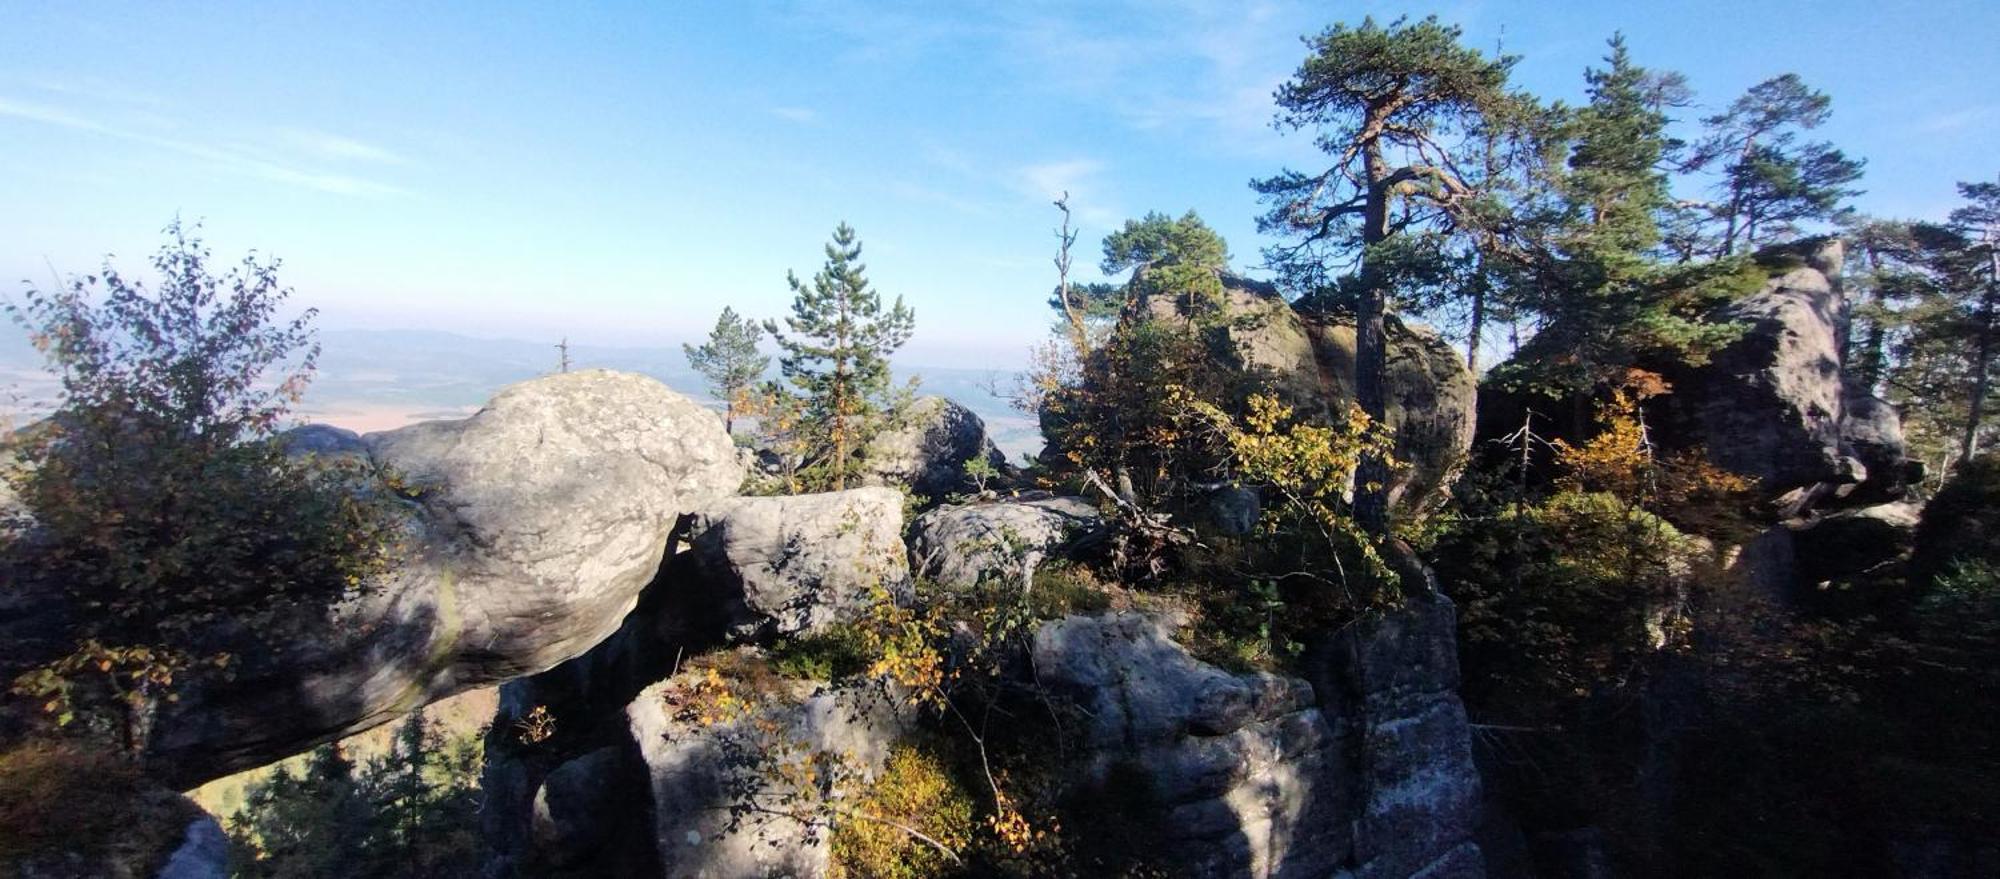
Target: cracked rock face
[1001,540]
[1366,771]
[535,523]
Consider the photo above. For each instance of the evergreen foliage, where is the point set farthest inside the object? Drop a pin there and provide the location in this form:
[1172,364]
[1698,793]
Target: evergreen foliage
[730,362]
[836,346]
[413,812]
[1770,182]
[1389,104]
[1588,269]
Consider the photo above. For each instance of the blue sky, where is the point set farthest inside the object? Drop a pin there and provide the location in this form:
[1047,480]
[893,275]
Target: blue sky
[620,173]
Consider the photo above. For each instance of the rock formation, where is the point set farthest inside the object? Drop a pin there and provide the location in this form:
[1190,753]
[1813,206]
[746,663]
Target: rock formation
[1308,359]
[788,565]
[533,525]
[577,803]
[1365,768]
[1776,404]
[929,453]
[1364,771]
[1004,540]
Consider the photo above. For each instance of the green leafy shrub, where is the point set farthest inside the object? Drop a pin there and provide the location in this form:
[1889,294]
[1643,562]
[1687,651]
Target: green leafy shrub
[158,498]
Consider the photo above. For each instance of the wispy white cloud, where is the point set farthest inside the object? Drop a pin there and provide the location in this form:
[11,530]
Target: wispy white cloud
[237,159]
[1957,119]
[334,147]
[801,115]
[929,195]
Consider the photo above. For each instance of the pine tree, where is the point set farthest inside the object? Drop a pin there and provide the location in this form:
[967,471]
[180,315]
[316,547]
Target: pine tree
[730,362]
[836,346]
[1181,258]
[1770,182]
[1946,359]
[1884,273]
[305,826]
[1389,104]
[1591,276]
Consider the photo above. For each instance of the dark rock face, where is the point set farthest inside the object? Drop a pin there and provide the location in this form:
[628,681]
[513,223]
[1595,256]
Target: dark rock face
[1962,521]
[1365,771]
[535,524]
[1776,404]
[203,853]
[930,453]
[1005,539]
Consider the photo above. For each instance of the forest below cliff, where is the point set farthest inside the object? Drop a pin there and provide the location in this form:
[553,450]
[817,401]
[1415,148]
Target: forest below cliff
[1582,490]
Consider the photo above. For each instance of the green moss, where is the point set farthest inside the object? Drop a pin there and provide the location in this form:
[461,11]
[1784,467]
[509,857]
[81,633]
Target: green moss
[1063,588]
[916,789]
[839,652]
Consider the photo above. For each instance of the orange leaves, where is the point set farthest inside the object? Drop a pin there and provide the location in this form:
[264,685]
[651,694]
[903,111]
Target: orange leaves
[535,727]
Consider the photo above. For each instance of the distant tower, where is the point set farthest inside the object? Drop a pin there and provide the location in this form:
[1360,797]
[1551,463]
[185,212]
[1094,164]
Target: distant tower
[563,348]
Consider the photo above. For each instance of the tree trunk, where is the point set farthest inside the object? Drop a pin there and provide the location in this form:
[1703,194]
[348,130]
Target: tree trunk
[1371,476]
[1982,364]
[1869,365]
[1472,336]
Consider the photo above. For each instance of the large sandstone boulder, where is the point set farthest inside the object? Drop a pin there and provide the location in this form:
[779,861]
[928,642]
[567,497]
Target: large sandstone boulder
[1308,359]
[533,526]
[1429,407]
[640,781]
[1776,405]
[793,564]
[1244,768]
[1001,540]
[717,812]
[1852,544]
[930,451]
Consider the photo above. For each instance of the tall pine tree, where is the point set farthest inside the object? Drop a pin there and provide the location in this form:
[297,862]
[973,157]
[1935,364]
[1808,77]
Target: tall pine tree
[1391,105]
[836,346]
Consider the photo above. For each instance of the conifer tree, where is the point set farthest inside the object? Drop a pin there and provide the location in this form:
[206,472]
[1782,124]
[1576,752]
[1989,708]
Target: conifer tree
[836,346]
[1181,258]
[1884,273]
[1389,104]
[1591,274]
[730,362]
[1770,182]
[316,823]
[1946,359]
